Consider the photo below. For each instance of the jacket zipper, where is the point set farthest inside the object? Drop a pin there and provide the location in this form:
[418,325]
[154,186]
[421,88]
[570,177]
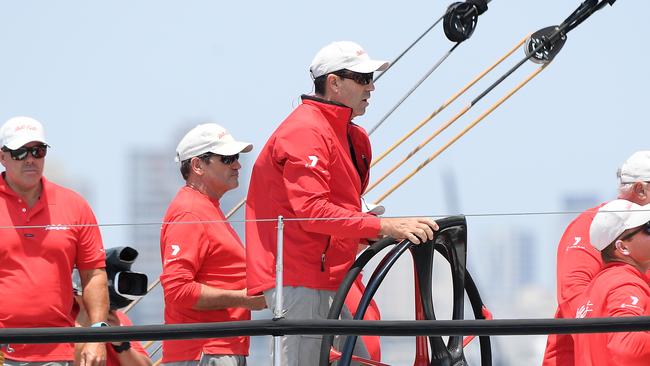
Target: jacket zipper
[322,257]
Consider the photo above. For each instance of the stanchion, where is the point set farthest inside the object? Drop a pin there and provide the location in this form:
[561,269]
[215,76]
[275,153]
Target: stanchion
[277,312]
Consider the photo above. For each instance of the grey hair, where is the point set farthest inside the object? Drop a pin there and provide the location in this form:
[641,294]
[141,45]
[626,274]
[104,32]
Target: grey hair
[625,189]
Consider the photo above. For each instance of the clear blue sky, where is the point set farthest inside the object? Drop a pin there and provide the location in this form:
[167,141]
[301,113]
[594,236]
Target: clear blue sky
[105,77]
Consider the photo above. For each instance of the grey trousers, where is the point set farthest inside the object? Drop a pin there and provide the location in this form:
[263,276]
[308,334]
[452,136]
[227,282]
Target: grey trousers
[304,303]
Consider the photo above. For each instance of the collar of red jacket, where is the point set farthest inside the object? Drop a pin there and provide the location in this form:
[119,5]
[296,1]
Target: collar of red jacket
[338,114]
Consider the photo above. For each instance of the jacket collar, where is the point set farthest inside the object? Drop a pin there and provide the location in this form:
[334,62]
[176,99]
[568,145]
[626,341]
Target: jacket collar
[337,114]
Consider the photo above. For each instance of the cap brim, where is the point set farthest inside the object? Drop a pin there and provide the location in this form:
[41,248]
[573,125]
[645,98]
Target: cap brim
[369,66]
[20,142]
[638,218]
[232,148]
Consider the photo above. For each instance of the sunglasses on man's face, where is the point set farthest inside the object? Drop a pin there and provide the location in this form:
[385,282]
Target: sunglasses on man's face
[357,77]
[229,159]
[645,228]
[37,152]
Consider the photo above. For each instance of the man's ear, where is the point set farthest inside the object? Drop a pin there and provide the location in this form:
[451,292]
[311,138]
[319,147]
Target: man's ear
[622,247]
[640,189]
[196,166]
[333,82]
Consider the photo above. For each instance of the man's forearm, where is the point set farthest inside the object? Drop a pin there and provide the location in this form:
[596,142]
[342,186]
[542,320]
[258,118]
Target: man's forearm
[216,299]
[95,294]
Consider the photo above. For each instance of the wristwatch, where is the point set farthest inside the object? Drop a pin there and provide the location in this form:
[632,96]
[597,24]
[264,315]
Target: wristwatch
[124,346]
[99,324]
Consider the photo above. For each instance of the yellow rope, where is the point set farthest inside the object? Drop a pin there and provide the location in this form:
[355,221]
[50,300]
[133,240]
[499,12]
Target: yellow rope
[447,103]
[469,127]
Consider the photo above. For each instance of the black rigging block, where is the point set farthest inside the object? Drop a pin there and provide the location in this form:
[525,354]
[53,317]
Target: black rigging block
[545,44]
[461,18]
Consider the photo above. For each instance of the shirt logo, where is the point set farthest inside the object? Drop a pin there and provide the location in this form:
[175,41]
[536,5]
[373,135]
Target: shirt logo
[57,227]
[584,310]
[633,303]
[175,249]
[576,244]
[313,159]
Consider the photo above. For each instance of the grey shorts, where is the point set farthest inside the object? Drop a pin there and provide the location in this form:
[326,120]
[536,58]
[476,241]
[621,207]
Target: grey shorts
[304,303]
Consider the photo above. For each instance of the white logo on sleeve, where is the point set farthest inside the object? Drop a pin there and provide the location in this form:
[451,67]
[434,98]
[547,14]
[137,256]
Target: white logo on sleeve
[633,303]
[584,310]
[175,249]
[313,159]
[576,244]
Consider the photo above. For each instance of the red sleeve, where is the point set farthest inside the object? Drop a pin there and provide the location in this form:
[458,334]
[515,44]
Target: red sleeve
[308,181]
[90,249]
[628,348]
[183,250]
[578,262]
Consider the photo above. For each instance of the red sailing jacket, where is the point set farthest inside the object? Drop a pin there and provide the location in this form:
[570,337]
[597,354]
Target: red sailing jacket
[305,171]
[618,290]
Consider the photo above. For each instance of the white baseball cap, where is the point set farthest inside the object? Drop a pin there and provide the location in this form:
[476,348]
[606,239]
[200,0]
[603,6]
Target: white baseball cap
[18,131]
[344,55]
[636,168]
[209,137]
[613,218]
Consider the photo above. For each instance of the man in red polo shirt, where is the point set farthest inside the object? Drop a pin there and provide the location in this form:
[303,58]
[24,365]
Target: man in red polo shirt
[47,230]
[621,232]
[204,265]
[578,261]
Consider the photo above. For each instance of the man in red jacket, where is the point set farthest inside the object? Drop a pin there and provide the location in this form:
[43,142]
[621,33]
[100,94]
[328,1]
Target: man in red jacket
[204,270]
[313,171]
[578,261]
[621,232]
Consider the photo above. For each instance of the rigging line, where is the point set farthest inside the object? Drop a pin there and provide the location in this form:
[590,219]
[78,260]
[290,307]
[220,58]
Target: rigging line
[469,13]
[558,33]
[448,102]
[470,126]
[417,85]
[236,208]
[408,48]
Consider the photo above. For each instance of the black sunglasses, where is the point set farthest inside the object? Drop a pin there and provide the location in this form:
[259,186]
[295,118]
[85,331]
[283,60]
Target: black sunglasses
[38,152]
[645,227]
[226,159]
[229,159]
[357,77]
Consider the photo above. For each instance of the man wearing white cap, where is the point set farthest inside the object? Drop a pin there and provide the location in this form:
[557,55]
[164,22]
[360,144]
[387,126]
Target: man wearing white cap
[578,261]
[621,232]
[48,230]
[204,269]
[315,167]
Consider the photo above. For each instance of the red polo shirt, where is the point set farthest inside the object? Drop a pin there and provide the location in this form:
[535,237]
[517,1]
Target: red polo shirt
[198,246]
[39,248]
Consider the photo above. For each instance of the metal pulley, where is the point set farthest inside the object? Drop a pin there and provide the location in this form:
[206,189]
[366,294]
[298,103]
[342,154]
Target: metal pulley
[461,18]
[545,44]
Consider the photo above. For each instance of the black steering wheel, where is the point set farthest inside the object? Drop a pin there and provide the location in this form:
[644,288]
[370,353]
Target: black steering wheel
[451,242]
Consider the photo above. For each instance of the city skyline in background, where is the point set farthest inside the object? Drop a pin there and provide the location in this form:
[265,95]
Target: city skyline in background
[116,86]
